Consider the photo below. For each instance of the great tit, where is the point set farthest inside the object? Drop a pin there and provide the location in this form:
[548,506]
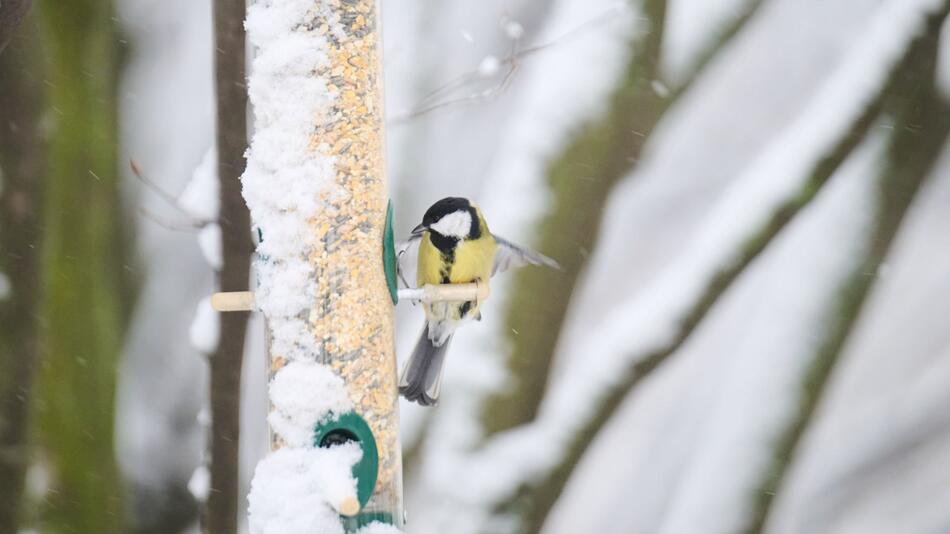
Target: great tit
[455,247]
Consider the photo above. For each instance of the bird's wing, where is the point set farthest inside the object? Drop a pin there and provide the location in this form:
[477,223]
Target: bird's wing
[407,254]
[510,255]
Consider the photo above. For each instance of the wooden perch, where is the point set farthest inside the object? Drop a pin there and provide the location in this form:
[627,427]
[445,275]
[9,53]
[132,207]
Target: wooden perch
[349,506]
[244,300]
[234,301]
[446,292]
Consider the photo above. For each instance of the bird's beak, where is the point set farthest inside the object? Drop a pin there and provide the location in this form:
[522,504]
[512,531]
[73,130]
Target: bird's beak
[418,230]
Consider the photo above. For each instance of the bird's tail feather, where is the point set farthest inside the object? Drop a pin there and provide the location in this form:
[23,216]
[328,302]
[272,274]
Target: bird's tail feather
[421,378]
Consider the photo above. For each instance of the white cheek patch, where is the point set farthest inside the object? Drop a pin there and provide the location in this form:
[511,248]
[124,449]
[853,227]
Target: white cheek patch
[456,224]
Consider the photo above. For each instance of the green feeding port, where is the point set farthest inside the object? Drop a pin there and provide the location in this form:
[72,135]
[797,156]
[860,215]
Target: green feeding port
[346,428]
[389,254]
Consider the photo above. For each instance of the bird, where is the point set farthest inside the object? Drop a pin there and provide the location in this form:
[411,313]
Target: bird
[455,247]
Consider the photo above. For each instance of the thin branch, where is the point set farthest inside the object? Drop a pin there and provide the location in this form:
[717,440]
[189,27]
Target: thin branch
[191,223]
[481,97]
[152,186]
[191,226]
[511,64]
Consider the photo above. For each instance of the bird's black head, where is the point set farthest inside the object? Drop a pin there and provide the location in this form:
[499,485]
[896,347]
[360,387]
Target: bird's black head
[444,207]
[452,218]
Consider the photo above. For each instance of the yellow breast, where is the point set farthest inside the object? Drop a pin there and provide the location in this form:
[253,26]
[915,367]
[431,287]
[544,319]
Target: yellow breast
[469,261]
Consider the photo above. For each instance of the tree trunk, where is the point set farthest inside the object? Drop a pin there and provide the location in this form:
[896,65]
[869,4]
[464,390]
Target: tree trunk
[11,13]
[221,509]
[85,299]
[22,166]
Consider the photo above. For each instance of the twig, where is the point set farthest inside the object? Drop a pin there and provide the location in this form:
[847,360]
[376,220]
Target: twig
[512,61]
[169,198]
[484,96]
[192,226]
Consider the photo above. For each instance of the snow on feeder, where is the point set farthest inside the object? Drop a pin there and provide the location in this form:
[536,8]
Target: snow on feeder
[351,428]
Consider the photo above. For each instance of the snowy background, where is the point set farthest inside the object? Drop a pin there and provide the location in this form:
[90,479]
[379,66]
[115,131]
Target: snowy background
[806,393]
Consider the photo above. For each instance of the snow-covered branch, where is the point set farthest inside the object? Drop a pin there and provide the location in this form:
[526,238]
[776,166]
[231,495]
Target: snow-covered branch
[581,175]
[722,38]
[919,111]
[638,336]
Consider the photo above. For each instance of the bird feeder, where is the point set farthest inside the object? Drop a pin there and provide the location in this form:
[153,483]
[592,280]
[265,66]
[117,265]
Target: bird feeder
[348,325]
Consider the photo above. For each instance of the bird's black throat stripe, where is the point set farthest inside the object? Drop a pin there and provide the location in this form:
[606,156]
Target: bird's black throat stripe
[445,244]
[448,259]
